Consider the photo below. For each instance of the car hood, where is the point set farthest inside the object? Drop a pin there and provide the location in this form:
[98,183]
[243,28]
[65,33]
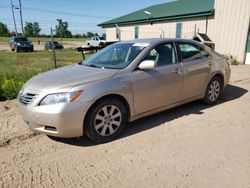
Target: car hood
[68,76]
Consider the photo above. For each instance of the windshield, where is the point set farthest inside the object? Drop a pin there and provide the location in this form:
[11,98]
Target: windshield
[21,39]
[116,56]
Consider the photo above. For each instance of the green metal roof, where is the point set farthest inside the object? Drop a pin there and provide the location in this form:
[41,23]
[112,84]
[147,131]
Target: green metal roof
[167,11]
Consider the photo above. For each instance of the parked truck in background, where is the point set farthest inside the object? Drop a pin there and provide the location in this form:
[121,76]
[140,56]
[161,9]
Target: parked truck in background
[96,41]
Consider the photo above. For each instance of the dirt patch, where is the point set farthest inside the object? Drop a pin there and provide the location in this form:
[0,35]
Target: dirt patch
[189,146]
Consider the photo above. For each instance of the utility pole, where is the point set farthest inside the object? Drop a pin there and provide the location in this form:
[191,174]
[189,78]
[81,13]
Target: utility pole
[21,16]
[53,47]
[14,19]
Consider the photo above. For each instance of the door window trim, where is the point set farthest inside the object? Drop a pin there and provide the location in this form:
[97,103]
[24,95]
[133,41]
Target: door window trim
[148,51]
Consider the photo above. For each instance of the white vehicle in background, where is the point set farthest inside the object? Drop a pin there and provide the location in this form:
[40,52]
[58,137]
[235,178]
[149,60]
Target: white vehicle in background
[96,41]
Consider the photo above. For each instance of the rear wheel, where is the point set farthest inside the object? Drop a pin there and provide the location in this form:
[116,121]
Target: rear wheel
[105,120]
[213,91]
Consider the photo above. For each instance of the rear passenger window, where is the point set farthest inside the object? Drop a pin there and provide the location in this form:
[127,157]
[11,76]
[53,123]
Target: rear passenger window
[190,52]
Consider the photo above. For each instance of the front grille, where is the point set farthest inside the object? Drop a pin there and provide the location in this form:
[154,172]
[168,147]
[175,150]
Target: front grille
[27,98]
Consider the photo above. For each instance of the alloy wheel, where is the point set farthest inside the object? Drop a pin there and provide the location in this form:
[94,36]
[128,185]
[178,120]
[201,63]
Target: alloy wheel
[107,120]
[214,91]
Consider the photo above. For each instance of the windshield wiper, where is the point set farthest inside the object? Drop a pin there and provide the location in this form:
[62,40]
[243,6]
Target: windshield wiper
[93,65]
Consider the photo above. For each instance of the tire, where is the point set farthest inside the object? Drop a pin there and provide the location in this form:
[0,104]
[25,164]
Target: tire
[105,120]
[213,91]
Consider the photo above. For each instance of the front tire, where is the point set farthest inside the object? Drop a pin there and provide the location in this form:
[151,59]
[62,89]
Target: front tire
[213,91]
[105,120]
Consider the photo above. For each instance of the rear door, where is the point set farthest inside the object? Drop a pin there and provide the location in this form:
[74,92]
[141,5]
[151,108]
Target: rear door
[197,68]
[161,86]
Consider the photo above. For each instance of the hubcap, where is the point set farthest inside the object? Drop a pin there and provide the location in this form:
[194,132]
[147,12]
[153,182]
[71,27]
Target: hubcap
[214,90]
[108,120]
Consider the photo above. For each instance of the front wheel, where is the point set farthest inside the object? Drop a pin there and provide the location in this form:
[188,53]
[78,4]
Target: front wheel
[213,91]
[105,120]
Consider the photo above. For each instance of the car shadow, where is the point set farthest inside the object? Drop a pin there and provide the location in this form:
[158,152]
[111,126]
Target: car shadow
[231,92]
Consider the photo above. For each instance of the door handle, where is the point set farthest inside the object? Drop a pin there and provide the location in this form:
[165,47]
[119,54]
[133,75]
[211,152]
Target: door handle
[125,82]
[178,71]
[210,63]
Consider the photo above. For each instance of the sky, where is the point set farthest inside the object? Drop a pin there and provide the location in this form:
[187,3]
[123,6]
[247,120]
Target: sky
[81,15]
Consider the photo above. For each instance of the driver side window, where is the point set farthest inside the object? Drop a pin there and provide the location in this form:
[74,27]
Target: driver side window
[163,54]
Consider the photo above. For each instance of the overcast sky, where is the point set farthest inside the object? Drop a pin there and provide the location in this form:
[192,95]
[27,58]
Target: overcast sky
[82,15]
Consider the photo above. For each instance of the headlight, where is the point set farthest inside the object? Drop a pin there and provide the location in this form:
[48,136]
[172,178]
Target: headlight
[58,98]
[18,44]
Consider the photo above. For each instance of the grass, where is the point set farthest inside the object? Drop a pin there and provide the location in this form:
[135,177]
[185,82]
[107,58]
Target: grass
[234,62]
[17,68]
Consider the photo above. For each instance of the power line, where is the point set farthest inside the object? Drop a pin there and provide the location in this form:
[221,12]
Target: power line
[49,21]
[60,12]
[85,4]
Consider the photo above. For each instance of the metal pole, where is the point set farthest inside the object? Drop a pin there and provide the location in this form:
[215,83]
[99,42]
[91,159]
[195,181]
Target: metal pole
[14,19]
[53,47]
[21,16]
[119,31]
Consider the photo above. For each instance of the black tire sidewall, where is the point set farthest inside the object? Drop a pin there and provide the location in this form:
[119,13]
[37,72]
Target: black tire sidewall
[90,117]
[206,98]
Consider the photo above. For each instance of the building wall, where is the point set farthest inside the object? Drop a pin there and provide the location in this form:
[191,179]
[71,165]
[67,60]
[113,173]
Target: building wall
[228,28]
[156,30]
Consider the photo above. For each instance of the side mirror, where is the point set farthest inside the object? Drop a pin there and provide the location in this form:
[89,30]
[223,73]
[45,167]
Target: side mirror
[147,65]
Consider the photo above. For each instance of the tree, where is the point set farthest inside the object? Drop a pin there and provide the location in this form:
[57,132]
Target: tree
[28,29]
[4,32]
[36,29]
[62,29]
[32,29]
[89,34]
[77,35]
[84,35]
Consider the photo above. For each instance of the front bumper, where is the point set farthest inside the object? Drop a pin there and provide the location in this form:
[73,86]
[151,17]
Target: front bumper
[25,48]
[60,120]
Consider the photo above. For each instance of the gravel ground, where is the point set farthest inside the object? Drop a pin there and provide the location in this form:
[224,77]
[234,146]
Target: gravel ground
[189,146]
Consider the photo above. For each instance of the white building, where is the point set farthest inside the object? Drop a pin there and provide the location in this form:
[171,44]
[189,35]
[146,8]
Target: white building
[226,23]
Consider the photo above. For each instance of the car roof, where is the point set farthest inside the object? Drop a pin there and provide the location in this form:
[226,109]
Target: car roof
[152,41]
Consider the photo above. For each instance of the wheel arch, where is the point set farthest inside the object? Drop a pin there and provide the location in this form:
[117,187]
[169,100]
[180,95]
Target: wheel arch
[216,74]
[112,96]
[220,76]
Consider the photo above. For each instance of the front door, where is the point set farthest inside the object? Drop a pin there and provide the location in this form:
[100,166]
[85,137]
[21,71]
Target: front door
[160,86]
